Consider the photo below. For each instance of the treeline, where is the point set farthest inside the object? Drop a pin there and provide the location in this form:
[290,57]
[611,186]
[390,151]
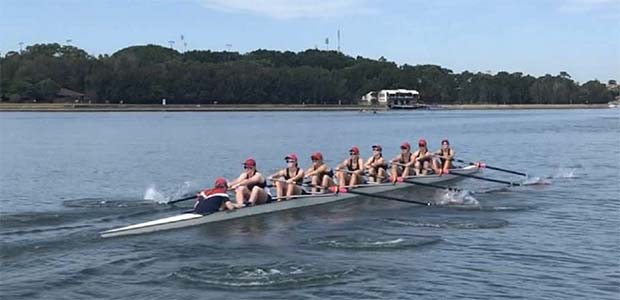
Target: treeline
[146,74]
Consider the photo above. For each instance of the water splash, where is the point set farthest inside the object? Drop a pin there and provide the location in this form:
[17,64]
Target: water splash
[537,181]
[279,275]
[566,173]
[463,197]
[374,243]
[153,194]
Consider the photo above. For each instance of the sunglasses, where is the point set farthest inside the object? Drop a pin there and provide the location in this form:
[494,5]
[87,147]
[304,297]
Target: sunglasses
[404,148]
[246,167]
[352,152]
[290,161]
[376,149]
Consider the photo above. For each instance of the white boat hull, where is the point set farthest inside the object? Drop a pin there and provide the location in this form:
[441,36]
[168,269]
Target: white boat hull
[191,219]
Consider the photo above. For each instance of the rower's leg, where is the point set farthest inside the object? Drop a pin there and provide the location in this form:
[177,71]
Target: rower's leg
[315,183]
[290,190]
[394,173]
[340,175]
[327,182]
[354,180]
[417,167]
[436,166]
[425,167]
[406,171]
[241,193]
[447,166]
[381,175]
[296,190]
[280,189]
[259,196]
[372,175]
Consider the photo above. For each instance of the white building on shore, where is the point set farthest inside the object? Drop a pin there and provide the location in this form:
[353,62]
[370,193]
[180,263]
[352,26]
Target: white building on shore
[395,99]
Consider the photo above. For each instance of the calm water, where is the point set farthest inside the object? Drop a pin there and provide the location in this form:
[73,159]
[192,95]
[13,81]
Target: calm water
[67,176]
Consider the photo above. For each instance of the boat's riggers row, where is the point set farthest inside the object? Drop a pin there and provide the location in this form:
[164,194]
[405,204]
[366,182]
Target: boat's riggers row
[190,219]
[483,165]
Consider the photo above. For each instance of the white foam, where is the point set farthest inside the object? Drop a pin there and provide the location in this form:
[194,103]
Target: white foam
[153,194]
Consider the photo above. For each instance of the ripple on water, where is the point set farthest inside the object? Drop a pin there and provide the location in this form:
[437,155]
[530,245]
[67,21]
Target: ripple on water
[376,243]
[273,276]
[460,223]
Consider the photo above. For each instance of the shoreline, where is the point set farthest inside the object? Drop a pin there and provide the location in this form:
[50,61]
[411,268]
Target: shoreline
[70,107]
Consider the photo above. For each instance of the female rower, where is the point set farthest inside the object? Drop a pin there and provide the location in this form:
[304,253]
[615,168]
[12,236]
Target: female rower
[214,199]
[251,186]
[351,169]
[288,180]
[320,174]
[401,164]
[422,159]
[442,162]
[376,165]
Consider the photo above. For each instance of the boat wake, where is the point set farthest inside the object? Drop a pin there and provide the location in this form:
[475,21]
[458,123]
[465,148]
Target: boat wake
[456,198]
[374,244]
[461,223]
[277,275]
[104,202]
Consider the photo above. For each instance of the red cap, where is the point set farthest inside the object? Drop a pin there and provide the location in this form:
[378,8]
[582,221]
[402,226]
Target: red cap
[250,162]
[291,156]
[220,183]
[377,146]
[422,143]
[405,145]
[355,150]
[316,156]
[445,141]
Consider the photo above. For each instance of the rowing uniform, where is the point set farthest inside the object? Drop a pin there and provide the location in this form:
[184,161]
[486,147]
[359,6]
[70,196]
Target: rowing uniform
[210,201]
[441,152]
[374,159]
[320,176]
[262,185]
[287,175]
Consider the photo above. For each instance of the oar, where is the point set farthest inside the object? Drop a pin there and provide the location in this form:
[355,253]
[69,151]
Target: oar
[182,199]
[491,167]
[384,197]
[441,187]
[487,179]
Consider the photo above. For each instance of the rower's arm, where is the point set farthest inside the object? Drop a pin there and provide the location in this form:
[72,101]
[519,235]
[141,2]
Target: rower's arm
[369,163]
[360,170]
[257,178]
[298,177]
[342,165]
[235,183]
[276,175]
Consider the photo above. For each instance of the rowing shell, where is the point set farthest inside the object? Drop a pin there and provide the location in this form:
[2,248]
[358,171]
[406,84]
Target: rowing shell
[191,219]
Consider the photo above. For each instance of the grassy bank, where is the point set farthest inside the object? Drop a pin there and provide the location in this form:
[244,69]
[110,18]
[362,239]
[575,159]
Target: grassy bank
[69,107]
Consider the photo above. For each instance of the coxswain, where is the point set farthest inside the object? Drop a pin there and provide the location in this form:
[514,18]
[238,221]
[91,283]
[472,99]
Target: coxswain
[376,166]
[402,164]
[288,180]
[442,162]
[214,199]
[251,186]
[319,172]
[350,171]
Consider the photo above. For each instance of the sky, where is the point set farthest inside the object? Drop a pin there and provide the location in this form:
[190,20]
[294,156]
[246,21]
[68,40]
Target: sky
[536,37]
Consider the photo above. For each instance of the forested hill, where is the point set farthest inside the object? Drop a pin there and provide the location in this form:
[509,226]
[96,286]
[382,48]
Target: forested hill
[146,74]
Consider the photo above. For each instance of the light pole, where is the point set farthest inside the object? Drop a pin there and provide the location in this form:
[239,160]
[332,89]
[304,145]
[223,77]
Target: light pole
[171,44]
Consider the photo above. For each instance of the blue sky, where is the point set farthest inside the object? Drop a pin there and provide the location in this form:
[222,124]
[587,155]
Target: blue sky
[581,37]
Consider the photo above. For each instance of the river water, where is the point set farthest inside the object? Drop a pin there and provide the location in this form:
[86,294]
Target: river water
[67,176]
